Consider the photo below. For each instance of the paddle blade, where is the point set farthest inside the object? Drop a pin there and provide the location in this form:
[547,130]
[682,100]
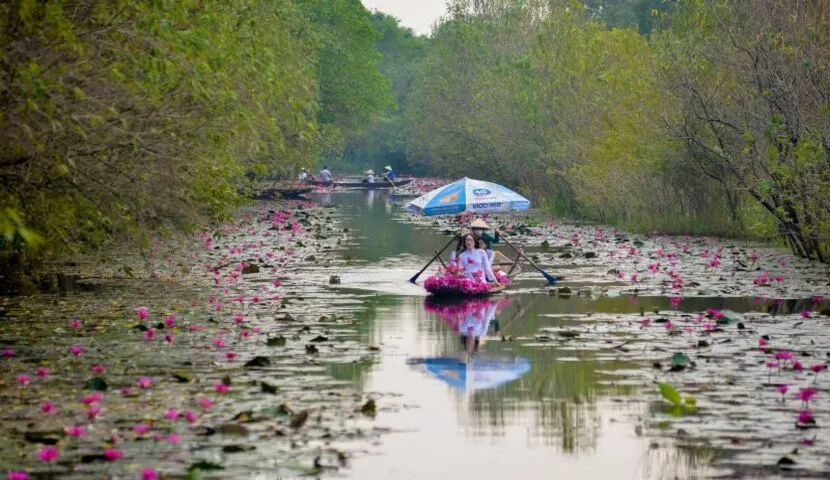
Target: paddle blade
[550,278]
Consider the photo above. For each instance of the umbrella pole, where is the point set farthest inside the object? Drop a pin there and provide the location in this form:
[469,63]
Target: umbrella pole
[415,277]
[550,278]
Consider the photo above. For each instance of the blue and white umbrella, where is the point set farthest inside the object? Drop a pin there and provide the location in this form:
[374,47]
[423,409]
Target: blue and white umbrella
[481,373]
[468,195]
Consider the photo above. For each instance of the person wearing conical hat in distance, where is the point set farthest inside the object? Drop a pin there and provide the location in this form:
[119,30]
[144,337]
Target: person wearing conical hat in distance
[370,176]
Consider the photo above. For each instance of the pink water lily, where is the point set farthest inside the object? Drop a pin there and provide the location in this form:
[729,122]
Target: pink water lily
[48,454]
[144,382]
[93,412]
[7,353]
[48,407]
[98,368]
[42,372]
[149,474]
[76,350]
[174,439]
[75,431]
[142,313]
[18,475]
[204,402]
[141,429]
[170,321]
[221,388]
[805,416]
[75,324]
[92,398]
[113,454]
[806,394]
[23,379]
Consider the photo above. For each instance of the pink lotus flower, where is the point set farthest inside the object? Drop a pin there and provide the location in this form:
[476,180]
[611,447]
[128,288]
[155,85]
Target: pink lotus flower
[98,368]
[145,382]
[819,367]
[171,414]
[141,429]
[126,391]
[42,372]
[798,366]
[170,321]
[644,322]
[76,350]
[190,416]
[48,454]
[7,352]
[142,313]
[113,454]
[194,328]
[675,301]
[92,398]
[48,407]
[818,299]
[668,325]
[24,379]
[204,402]
[218,343]
[708,326]
[806,394]
[783,355]
[221,388]
[805,416]
[168,338]
[150,334]
[149,474]
[93,412]
[75,324]
[782,389]
[806,314]
[18,475]
[75,431]
[174,439]
[238,318]
[762,342]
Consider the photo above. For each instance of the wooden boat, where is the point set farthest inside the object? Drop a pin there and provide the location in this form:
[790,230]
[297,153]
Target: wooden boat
[270,193]
[452,293]
[365,185]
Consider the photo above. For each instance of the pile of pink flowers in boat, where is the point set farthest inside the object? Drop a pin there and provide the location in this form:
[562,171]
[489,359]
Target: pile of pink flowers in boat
[450,280]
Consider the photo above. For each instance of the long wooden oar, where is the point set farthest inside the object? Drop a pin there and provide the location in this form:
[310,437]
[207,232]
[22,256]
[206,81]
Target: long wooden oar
[550,278]
[415,277]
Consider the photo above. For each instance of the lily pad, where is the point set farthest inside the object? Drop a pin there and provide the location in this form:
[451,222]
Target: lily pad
[276,341]
[97,384]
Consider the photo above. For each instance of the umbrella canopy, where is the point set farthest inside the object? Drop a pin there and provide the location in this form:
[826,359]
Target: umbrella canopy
[480,374]
[468,195]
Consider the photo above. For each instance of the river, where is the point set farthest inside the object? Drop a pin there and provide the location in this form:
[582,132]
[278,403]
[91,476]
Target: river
[334,365]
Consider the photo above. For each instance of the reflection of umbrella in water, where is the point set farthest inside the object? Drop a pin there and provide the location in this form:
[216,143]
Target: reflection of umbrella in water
[480,373]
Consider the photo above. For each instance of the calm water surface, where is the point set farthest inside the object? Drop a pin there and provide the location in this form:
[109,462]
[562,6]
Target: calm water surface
[570,415]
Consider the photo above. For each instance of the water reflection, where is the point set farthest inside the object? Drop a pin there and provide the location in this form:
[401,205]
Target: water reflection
[471,320]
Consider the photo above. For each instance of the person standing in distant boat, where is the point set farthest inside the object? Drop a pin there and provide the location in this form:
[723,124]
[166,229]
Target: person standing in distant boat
[325,175]
[370,176]
[303,175]
[389,175]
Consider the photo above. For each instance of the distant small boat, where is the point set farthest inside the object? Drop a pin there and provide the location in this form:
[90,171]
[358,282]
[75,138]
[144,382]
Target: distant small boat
[366,185]
[271,193]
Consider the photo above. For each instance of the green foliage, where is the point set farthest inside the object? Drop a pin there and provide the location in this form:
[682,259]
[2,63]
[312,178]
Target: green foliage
[118,119]
[352,89]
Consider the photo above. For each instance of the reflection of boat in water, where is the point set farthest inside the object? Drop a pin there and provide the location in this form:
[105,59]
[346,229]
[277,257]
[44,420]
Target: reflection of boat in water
[468,317]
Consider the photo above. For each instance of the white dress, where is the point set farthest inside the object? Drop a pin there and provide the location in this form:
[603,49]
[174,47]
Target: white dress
[473,261]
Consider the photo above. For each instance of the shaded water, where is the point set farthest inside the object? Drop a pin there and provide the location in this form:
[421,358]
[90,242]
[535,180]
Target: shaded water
[572,415]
